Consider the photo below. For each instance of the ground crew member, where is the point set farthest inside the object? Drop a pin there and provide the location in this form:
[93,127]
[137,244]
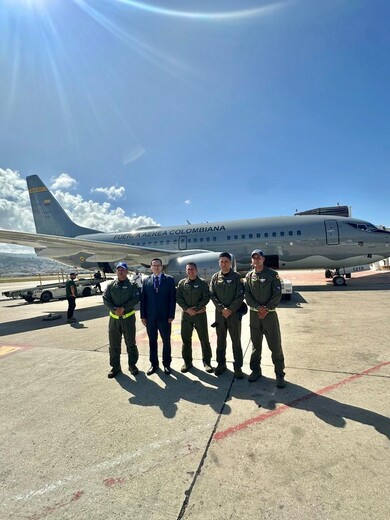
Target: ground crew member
[120,297]
[227,294]
[71,295]
[192,294]
[263,292]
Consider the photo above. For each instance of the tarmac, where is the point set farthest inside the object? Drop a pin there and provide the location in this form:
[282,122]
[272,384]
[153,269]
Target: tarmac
[77,445]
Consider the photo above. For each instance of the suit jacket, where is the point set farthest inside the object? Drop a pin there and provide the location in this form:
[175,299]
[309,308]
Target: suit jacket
[158,305]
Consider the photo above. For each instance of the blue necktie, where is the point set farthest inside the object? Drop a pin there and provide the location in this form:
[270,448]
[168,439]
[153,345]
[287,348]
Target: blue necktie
[156,283]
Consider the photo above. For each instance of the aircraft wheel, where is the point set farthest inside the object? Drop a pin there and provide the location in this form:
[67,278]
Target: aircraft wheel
[29,299]
[46,296]
[87,291]
[339,281]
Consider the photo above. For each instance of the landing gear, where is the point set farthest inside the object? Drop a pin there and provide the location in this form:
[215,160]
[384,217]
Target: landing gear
[338,279]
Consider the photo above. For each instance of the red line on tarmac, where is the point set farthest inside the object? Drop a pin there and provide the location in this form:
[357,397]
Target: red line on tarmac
[264,416]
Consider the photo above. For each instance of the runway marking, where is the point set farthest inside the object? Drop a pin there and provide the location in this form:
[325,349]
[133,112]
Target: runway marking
[125,458]
[6,349]
[283,408]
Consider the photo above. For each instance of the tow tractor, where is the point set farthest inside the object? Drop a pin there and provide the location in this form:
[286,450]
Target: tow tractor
[47,292]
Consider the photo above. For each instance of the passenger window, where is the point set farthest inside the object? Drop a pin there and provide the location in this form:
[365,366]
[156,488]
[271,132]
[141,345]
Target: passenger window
[235,237]
[299,232]
[290,233]
[266,235]
[258,235]
[228,237]
[250,235]
[273,234]
[282,233]
[242,236]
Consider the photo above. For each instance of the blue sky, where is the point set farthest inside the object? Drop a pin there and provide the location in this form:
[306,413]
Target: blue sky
[180,109]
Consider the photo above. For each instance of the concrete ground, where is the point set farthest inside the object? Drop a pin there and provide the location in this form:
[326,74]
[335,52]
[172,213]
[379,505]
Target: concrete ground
[77,445]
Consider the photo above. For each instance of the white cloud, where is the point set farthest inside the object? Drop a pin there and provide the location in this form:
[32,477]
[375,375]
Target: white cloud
[63,182]
[16,214]
[188,202]
[112,193]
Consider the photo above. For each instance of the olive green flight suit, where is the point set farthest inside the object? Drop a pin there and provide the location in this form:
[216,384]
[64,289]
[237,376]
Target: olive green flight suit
[124,294]
[264,289]
[194,294]
[227,291]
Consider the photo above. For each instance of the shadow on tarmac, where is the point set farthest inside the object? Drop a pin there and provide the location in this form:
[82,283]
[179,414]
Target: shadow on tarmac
[334,413]
[37,322]
[146,392]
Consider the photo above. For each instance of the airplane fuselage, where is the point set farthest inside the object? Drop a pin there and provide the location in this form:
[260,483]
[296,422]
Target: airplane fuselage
[296,242]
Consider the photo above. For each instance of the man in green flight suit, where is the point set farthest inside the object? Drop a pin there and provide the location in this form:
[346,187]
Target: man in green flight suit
[263,292]
[120,298]
[227,294]
[192,294]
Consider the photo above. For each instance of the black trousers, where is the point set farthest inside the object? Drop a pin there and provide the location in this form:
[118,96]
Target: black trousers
[163,327]
[71,307]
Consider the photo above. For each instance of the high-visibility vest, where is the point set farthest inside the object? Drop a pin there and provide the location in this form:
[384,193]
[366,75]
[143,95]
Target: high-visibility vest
[124,316]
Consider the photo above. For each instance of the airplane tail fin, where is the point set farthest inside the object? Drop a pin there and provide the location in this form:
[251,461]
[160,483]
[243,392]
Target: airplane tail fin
[49,217]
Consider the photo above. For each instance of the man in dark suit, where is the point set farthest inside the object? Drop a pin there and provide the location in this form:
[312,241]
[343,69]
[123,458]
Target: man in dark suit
[158,302]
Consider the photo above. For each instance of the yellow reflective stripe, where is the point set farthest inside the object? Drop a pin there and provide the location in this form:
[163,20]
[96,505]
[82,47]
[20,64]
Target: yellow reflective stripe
[124,316]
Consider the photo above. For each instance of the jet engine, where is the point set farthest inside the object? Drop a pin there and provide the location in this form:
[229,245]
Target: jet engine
[207,265]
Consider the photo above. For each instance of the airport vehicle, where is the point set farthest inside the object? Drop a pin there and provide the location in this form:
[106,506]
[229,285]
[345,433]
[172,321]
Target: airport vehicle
[327,238]
[47,292]
[287,289]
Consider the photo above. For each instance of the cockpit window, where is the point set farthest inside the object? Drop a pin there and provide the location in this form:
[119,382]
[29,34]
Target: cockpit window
[364,227]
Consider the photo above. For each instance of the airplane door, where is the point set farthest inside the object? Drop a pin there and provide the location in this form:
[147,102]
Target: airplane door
[332,232]
[182,243]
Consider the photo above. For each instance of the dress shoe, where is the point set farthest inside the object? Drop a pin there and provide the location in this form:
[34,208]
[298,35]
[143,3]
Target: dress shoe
[238,373]
[254,376]
[185,368]
[113,372]
[280,382]
[167,370]
[220,369]
[133,370]
[152,370]
[208,368]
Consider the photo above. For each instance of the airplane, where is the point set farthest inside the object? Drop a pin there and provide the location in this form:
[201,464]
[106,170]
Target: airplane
[327,238]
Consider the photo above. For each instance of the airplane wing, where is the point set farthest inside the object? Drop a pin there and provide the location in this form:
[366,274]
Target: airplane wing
[54,246]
